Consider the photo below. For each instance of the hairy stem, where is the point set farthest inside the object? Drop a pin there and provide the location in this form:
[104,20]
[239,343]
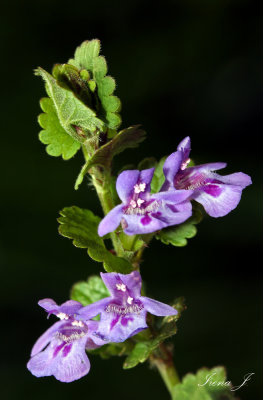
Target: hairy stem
[101,179]
[168,374]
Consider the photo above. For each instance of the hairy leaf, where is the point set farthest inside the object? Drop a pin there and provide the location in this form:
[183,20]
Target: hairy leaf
[59,143]
[127,138]
[177,235]
[90,291]
[194,387]
[82,226]
[87,57]
[72,113]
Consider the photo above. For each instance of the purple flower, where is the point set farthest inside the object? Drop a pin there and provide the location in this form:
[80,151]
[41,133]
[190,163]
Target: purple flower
[141,212]
[60,351]
[218,194]
[124,313]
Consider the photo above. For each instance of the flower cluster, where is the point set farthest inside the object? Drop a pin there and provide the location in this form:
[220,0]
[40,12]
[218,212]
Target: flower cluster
[142,212]
[61,350]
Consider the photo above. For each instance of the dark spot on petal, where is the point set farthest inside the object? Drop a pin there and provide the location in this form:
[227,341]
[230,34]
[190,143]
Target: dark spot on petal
[213,190]
[58,348]
[66,350]
[124,321]
[146,220]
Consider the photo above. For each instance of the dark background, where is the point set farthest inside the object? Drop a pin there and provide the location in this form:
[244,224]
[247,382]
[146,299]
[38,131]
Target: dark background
[182,68]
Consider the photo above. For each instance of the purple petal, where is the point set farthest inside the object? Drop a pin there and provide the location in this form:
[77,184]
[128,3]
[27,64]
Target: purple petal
[49,305]
[176,214]
[185,147]
[118,328]
[166,214]
[66,362]
[222,203]
[146,177]
[157,308]
[132,282]
[70,307]
[238,178]
[143,224]
[173,196]
[170,168]
[93,309]
[46,338]
[209,167]
[125,184]
[111,221]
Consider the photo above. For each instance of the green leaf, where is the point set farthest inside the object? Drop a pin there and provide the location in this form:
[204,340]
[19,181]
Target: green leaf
[177,235]
[146,163]
[87,57]
[82,226]
[158,176]
[143,349]
[72,113]
[139,354]
[193,387]
[127,138]
[58,141]
[113,349]
[90,291]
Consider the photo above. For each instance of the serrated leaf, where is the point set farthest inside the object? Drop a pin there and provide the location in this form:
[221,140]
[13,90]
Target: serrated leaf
[59,143]
[90,291]
[87,57]
[193,387]
[158,176]
[82,226]
[127,138]
[70,110]
[177,235]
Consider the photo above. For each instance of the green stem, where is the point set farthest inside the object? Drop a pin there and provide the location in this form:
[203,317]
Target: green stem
[101,179]
[168,374]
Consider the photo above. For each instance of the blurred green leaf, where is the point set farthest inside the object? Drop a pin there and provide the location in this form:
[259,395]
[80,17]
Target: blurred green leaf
[82,226]
[87,57]
[114,349]
[90,291]
[158,176]
[59,143]
[193,387]
[177,235]
[127,138]
[72,113]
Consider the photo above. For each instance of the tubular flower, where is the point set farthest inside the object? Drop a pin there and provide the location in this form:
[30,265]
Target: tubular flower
[141,212]
[218,194]
[60,351]
[123,314]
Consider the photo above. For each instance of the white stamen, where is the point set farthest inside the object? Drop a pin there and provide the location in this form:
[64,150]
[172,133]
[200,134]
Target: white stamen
[77,323]
[185,163]
[133,204]
[121,286]
[116,309]
[62,315]
[130,300]
[139,188]
[139,202]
